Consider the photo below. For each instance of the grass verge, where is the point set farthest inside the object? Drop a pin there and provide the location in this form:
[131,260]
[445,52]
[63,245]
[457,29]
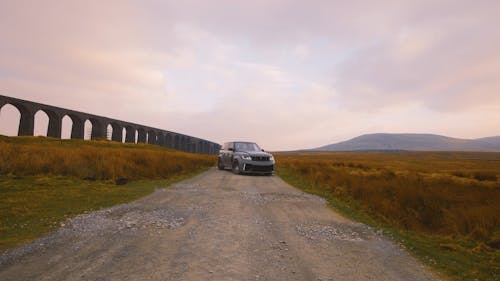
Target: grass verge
[451,257]
[44,181]
[100,160]
[33,206]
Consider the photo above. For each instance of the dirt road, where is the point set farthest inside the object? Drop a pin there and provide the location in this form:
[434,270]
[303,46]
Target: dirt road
[216,226]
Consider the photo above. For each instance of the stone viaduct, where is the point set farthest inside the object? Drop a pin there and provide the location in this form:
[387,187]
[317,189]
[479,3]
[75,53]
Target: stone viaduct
[100,124]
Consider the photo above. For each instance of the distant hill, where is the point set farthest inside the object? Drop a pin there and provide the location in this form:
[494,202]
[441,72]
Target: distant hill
[413,142]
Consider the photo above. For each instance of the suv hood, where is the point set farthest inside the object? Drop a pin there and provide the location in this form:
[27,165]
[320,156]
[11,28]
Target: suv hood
[257,153]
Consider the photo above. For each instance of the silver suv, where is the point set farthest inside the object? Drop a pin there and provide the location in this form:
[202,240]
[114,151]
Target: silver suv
[245,157]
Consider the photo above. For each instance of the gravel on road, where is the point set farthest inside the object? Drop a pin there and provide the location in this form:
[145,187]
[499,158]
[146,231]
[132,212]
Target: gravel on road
[216,226]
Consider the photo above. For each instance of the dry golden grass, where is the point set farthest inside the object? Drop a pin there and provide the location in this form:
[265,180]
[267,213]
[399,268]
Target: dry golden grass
[443,207]
[454,194]
[41,180]
[101,160]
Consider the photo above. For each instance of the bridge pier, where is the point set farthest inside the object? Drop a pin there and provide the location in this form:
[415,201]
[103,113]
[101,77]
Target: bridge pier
[117,134]
[130,134]
[168,140]
[151,137]
[98,129]
[179,143]
[184,144]
[205,148]
[55,127]
[176,142]
[196,146]
[160,139]
[55,124]
[199,147]
[27,121]
[141,135]
[78,128]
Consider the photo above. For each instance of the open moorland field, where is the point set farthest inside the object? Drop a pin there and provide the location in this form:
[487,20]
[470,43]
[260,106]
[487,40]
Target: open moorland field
[442,206]
[44,181]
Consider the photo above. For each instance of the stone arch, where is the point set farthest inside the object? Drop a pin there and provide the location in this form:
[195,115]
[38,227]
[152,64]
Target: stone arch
[124,134]
[66,127]
[27,119]
[41,123]
[88,129]
[109,131]
[10,119]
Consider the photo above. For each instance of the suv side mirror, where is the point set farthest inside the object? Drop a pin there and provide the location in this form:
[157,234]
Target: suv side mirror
[230,149]
[263,150]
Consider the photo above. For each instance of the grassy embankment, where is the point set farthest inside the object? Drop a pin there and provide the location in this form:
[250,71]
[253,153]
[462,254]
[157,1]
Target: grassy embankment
[443,207]
[44,181]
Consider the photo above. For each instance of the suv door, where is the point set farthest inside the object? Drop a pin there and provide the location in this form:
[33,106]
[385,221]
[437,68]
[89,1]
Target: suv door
[229,155]
[223,154]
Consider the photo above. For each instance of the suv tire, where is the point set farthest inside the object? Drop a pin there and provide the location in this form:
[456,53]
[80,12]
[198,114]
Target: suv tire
[220,165]
[236,168]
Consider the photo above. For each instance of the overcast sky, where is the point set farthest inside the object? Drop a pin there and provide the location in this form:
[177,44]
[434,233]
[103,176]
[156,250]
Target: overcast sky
[287,74]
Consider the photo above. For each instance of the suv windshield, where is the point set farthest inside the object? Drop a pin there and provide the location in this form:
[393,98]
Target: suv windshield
[246,146]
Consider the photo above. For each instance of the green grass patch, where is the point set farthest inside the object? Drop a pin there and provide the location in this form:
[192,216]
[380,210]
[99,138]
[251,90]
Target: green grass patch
[451,257]
[33,206]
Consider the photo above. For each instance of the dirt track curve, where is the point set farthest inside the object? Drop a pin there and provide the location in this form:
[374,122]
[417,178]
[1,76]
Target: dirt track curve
[216,226]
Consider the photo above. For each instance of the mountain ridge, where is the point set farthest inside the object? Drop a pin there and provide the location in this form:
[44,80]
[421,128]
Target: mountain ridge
[413,142]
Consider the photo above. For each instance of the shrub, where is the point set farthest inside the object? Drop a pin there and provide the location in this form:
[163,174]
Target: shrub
[485,176]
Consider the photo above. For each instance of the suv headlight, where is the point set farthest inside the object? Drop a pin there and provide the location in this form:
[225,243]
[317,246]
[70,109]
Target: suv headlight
[271,158]
[246,157]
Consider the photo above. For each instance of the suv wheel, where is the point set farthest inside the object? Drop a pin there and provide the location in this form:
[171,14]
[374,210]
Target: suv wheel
[220,165]
[236,168]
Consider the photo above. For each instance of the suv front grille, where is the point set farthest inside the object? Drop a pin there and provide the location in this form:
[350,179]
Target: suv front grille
[260,158]
[256,168]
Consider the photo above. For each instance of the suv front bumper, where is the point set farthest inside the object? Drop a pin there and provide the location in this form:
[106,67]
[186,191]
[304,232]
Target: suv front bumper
[257,167]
